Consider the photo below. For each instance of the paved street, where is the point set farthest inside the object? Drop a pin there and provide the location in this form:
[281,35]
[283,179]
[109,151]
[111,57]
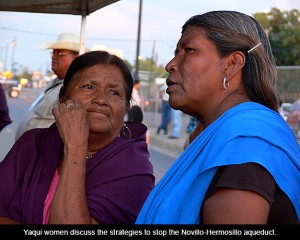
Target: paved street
[171,146]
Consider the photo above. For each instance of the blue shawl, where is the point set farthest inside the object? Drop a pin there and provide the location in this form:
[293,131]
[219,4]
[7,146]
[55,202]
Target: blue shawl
[248,132]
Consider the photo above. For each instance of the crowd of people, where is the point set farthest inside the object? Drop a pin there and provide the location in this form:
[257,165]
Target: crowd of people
[240,163]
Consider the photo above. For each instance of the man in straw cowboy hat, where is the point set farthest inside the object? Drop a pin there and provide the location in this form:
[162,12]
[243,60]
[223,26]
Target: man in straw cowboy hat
[39,115]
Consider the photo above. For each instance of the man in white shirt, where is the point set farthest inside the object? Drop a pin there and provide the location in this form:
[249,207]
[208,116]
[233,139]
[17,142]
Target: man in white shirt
[136,98]
[165,109]
[39,115]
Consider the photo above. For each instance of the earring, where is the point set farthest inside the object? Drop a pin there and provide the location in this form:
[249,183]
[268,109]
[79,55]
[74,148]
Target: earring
[126,131]
[225,83]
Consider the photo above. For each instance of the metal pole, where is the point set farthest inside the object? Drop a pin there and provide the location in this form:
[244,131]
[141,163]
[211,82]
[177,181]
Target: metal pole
[14,44]
[137,65]
[83,26]
[6,56]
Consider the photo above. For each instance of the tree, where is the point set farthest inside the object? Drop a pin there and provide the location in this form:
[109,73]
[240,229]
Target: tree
[283,29]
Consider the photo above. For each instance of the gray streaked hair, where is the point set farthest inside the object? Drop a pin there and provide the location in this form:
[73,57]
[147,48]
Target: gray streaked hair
[234,31]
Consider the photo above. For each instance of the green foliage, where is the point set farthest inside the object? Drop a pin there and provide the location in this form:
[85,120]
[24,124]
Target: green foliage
[149,65]
[21,72]
[288,83]
[128,64]
[283,29]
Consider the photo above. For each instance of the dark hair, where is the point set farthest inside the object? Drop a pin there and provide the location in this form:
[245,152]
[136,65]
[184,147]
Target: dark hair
[135,114]
[91,59]
[136,81]
[234,31]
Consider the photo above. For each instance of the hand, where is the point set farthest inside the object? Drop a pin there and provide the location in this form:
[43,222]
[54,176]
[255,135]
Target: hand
[72,124]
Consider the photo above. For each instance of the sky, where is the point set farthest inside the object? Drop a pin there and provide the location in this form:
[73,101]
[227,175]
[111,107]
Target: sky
[115,26]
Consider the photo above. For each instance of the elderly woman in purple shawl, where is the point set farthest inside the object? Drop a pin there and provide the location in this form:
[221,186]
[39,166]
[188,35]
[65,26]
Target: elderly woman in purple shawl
[90,167]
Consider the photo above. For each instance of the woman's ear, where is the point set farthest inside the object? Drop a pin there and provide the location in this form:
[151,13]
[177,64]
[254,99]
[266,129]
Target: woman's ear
[235,62]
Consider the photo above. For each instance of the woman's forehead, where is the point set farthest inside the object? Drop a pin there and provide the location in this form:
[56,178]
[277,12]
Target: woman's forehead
[100,72]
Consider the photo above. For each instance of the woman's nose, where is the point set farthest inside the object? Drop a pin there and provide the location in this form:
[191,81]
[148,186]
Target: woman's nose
[99,98]
[170,66]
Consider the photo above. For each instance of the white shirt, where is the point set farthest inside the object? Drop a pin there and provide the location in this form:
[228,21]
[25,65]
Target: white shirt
[164,95]
[40,114]
[136,98]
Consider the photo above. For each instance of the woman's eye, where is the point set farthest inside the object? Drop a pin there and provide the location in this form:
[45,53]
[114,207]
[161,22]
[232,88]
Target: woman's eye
[88,87]
[114,95]
[188,50]
[113,92]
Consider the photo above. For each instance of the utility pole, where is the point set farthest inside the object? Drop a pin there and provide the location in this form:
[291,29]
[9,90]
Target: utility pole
[13,44]
[152,72]
[137,64]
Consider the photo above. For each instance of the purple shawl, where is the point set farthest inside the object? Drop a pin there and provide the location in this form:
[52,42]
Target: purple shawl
[4,113]
[118,179]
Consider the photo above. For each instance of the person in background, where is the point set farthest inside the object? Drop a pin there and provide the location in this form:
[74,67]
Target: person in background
[192,124]
[191,130]
[135,114]
[244,166]
[281,112]
[78,171]
[4,111]
[39,115]
[136,98]
[176,119]
[165,110]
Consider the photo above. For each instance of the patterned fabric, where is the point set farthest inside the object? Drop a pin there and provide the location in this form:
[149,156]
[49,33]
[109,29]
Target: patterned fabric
[248,132]
[40,114]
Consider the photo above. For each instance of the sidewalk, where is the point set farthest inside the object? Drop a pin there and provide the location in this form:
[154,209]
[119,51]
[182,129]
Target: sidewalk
[162,142]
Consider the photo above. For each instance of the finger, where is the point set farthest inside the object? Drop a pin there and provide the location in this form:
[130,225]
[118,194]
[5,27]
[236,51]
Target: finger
[55,112]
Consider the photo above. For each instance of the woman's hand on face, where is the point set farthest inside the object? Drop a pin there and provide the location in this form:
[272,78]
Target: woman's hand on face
[72,123]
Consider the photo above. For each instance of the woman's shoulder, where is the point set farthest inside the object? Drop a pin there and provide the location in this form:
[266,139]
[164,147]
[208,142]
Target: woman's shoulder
[254,177]
[137,129]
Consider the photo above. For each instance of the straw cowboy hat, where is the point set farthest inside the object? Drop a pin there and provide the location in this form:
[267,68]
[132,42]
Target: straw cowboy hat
[66,41]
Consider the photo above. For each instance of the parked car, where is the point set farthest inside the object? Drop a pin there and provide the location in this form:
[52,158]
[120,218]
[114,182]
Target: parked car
[293,116]
[14,87]
[14,91]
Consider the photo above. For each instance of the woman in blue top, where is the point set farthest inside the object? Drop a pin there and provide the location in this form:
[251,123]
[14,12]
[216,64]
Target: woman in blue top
[244,167]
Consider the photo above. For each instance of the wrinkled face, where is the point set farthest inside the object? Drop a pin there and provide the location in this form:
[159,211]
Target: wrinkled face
[101,89]
[61,60]
[196,73]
